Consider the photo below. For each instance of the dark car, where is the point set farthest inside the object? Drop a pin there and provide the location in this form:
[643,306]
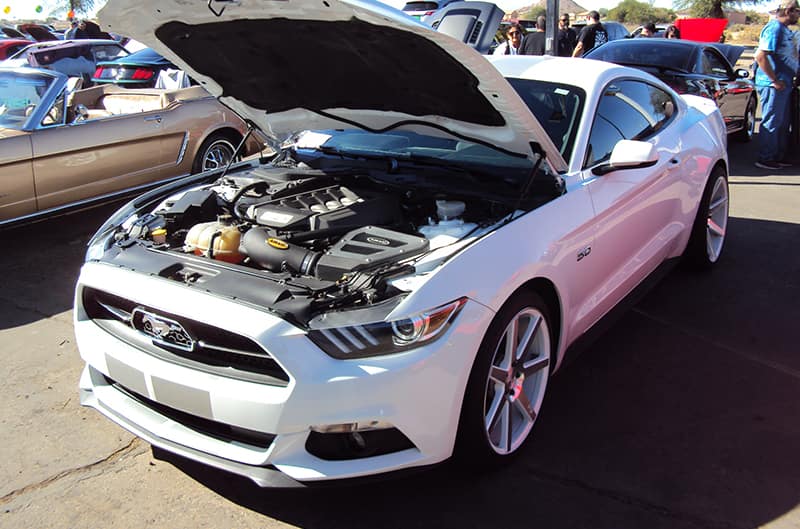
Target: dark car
[615,30]
[75,58]
[140,69]
[698,68]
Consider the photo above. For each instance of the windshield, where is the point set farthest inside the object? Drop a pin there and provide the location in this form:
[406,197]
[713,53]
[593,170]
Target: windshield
[558,107]
[659,54]
[402,152]
[20,94]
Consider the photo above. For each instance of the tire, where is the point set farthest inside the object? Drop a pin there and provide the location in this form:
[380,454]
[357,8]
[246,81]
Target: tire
[749,125]
[708,232]
[214,153]
[506,386]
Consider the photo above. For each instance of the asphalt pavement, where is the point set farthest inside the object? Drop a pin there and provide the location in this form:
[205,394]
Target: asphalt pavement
[684,414]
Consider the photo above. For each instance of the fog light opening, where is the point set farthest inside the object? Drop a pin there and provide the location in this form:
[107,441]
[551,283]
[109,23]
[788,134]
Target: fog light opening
[340,442]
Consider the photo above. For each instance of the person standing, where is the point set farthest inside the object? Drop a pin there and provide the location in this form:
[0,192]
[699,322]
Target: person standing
[513,41]
[648,30]
[591,36]
[534,42]
[777,62]
[567,39]
[73,28]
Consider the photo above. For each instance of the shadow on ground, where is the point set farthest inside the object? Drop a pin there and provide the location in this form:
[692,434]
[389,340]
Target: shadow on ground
[684,414]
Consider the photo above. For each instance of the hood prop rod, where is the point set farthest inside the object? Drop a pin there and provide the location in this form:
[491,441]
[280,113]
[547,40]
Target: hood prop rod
[238,150]
[537,149]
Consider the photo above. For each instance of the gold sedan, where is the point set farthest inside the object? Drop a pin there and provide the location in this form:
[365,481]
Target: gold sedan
[62,149]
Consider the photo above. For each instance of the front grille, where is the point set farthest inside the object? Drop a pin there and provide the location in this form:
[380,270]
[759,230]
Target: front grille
[217,430]
[217,350]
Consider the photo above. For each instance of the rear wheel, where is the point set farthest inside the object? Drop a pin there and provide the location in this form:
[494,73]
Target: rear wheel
[711,223]
[507,382]
[749,123]
[215,153]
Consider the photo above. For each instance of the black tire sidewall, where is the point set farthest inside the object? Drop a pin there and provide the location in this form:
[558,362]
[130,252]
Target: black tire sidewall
[197,164]
[696,251]
[472,443]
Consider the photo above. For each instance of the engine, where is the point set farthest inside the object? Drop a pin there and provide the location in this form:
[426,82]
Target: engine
[316,227]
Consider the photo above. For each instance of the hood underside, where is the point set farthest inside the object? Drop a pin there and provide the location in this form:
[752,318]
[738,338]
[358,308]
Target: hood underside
[292,65]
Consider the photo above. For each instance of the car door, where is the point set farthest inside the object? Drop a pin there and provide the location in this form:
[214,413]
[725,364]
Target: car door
[636,207]
[732,93]
[87,159]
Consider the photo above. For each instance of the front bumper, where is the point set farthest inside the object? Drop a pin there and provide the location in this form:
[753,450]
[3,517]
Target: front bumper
[168,404]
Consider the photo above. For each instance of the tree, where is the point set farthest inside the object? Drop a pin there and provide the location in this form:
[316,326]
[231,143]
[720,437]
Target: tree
[79,7]
[634,12]
[710,8]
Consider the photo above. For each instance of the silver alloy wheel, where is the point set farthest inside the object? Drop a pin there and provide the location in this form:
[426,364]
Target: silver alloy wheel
[217,155]
[517,381]
[750,116]
[717,220]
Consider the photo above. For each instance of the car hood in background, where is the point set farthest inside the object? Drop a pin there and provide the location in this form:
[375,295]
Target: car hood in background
[731,52]
[292,65]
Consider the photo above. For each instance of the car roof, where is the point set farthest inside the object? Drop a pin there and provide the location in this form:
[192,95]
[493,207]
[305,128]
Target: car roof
[730,52]
[563,70]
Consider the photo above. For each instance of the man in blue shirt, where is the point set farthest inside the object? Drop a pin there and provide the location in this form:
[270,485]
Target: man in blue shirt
[777,66]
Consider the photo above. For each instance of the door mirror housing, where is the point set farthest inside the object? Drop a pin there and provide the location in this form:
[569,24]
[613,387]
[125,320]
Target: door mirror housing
[629,154]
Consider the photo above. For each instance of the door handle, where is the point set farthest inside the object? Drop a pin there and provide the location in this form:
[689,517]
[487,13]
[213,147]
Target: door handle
[157,119]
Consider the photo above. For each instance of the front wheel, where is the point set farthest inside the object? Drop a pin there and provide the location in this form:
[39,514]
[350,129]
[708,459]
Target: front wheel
[215,153]
[711,223]
[508,381]
[749,123]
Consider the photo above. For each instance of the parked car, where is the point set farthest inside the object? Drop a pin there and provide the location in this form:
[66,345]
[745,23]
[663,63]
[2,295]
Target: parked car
[420,9]
[9,47]
[140,69]
[465,21]
[74,58]
[401,281]
[661,29]
[65,148]
[698,68]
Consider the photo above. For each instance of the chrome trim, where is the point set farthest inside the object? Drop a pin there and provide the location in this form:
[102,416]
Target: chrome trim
[182,151]
[205,345]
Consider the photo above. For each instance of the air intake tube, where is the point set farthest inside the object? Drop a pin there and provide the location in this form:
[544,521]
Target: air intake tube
[277,255]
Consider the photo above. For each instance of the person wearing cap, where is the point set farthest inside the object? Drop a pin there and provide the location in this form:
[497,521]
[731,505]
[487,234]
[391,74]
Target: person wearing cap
[777,62]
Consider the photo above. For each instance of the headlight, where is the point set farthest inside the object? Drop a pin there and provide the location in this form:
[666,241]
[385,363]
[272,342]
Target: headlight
[386,337]
[103,238]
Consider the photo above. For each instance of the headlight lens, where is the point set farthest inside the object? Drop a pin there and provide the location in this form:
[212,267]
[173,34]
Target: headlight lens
[386,337]
[101,240]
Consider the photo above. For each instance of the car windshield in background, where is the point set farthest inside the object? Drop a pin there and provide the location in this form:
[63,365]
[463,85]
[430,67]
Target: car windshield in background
[658,55]
[468,161]
[20,94]
[558,107]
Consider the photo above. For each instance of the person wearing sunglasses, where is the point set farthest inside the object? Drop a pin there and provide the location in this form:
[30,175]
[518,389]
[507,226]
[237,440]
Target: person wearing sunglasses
[567,38]
[513,42]
[777,62]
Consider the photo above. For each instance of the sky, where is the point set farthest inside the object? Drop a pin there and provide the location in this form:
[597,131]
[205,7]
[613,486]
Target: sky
[26,9]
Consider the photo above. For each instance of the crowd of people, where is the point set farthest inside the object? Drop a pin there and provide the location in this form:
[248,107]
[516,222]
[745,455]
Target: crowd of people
[568,42]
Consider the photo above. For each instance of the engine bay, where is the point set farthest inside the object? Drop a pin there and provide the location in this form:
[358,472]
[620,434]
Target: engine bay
[322,239]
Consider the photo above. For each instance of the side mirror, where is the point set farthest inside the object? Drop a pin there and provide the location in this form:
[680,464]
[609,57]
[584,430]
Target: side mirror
[629,154]
[81,113]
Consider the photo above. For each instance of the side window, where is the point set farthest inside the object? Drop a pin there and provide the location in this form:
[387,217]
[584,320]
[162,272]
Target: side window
[630,110]
[713,65]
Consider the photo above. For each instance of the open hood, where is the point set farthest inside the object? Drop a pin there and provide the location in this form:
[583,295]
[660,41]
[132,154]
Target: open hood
[292,65]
